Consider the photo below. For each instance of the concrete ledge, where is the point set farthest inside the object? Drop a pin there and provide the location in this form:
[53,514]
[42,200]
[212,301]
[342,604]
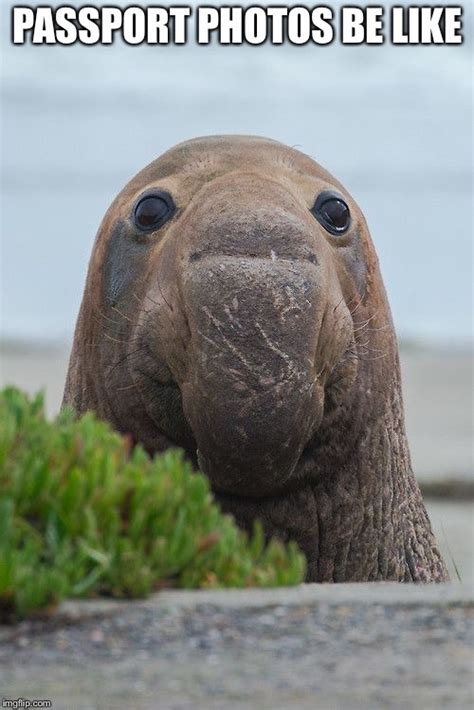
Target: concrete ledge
[390,593]
[384,593]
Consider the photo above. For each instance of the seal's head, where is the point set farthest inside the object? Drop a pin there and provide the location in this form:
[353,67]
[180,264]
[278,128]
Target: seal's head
[222,285]
[234,308]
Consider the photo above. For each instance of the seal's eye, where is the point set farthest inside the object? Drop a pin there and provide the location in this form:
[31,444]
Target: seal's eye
[332,212]
[153,210]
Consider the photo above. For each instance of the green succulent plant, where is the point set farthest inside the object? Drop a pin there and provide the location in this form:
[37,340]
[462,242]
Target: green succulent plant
[81,514]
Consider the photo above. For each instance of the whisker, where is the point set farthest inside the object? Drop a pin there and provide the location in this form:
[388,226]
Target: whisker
[128,356]
[359,303]
[115,340]
[114,308]
[128,387]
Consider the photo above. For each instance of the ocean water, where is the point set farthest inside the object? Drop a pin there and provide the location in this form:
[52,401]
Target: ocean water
[392,123]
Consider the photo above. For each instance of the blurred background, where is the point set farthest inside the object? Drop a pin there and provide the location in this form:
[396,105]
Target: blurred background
[392,123]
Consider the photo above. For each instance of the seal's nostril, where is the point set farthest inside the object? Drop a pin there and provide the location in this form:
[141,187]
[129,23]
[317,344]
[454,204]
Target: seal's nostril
[313,258]
[195,256]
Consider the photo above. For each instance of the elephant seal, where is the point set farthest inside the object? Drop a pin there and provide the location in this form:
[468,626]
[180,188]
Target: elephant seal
[234,308]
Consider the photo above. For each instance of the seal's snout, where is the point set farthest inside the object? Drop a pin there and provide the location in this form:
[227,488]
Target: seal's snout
[252,397]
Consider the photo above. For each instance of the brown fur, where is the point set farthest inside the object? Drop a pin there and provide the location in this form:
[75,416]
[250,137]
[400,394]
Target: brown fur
[243,329]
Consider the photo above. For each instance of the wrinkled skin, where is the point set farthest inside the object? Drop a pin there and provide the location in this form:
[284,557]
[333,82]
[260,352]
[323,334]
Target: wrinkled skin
[245,333]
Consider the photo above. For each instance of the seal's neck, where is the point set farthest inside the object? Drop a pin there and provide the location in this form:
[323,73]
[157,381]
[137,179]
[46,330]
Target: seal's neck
[359,517]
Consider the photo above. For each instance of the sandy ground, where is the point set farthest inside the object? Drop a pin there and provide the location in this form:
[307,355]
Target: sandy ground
[438,403]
